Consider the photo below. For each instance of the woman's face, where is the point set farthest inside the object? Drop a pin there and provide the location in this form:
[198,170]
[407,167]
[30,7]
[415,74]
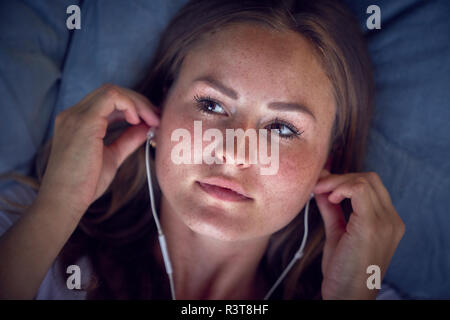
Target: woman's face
[257,66]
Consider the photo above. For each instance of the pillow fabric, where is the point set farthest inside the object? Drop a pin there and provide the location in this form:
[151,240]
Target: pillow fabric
[115,44]
[33,43]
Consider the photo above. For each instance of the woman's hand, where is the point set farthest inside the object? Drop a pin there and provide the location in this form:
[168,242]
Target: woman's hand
[370,237]
[81,166]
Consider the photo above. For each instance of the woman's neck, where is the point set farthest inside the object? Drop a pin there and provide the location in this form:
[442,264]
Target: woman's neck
[205,268]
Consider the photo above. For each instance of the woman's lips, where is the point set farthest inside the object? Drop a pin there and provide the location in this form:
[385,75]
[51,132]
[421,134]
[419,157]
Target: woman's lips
[222,193]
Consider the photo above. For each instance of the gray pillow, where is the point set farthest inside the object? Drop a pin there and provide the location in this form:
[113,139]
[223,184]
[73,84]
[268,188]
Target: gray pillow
[33,44]
[409,144]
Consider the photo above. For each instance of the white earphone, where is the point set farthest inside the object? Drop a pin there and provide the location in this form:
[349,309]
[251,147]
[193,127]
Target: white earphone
[162,240]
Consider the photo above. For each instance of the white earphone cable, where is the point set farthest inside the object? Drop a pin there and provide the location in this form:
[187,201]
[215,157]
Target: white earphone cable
[162,239]
[297,255]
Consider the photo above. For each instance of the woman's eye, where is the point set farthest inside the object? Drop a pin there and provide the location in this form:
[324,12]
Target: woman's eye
[285,130]
[209,106]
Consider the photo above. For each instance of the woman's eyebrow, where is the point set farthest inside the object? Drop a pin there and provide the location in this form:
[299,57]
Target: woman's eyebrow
[291,106]
[219,86]
[286,106]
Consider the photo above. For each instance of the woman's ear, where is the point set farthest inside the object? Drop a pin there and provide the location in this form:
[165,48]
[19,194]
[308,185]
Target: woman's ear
[327,167]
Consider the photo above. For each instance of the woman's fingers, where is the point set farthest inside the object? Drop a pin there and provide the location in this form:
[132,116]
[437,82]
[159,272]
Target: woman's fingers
[80,162]
[329,181]
[380,189]
[333,218]
[149,113]
[128,142]
[111,100]
[361,181]
[369,237]
[361,194]
[112,103]
[134,106]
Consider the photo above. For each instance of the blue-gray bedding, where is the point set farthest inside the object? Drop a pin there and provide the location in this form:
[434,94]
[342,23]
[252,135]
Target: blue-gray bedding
[45,68]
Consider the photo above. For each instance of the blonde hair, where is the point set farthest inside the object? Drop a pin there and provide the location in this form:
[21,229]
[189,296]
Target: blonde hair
[116,232]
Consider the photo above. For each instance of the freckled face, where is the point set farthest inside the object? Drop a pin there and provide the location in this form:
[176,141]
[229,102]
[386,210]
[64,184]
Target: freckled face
[261,66]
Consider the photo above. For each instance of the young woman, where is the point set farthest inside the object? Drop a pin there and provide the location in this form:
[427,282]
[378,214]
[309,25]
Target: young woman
[299,69]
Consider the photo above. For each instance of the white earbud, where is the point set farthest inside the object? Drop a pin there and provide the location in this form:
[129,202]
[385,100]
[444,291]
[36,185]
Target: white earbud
[151,134]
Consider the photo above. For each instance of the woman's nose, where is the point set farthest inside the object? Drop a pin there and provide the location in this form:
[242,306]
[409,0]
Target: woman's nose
[237,151]
[240,153]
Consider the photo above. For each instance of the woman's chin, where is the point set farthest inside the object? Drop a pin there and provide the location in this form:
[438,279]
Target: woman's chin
[219,225]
